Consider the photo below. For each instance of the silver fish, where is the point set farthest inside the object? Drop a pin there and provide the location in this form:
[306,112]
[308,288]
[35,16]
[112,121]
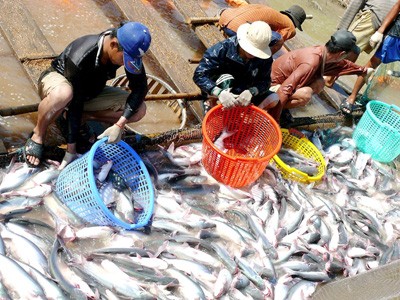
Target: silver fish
[18,282]
[16,177]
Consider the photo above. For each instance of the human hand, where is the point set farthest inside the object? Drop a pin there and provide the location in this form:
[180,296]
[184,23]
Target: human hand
[244,98]
[228,99]
[68,158]
[376,39]
[114,134]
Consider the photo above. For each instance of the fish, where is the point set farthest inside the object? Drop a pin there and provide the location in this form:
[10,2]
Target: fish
[51,290]
[188,288]
[16,177]
[220,140]
[24,250]
[104,170]
[222,284]
[18,282]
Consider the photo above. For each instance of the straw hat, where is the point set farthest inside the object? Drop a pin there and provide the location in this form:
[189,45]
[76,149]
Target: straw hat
[254,38]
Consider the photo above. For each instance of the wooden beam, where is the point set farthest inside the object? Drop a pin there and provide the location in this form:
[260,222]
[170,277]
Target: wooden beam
[24,37]
[161,50]
[207,33]
[202,20]
[180,71]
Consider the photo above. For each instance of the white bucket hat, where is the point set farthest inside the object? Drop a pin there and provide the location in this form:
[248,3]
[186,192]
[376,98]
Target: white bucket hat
[254,38]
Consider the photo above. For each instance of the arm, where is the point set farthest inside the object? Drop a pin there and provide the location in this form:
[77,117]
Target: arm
[391,16]
[350,13]
[138,86]
[298,78]
[377,37]
[262,81]
[208,66]
[75,108]
[344,67]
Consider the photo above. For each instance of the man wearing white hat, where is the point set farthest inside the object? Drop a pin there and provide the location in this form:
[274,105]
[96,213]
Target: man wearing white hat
[244,61]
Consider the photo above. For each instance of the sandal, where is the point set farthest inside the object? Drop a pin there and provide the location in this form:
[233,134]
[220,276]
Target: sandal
[33,149]
[346,107]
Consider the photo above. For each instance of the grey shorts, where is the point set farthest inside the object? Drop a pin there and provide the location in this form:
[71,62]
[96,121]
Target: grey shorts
[111,98]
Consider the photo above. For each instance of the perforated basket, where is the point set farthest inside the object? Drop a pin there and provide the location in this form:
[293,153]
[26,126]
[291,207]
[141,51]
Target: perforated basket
[247,152]
[76,185]
[304,147]
[378,131]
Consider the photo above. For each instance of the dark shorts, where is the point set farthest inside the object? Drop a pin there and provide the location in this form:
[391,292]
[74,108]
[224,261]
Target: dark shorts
[389,51]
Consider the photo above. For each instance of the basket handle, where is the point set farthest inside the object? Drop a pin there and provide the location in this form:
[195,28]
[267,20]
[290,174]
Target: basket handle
[395,109]
[296,133]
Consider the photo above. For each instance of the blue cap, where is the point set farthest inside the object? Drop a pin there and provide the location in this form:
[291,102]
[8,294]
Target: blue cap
[135,39]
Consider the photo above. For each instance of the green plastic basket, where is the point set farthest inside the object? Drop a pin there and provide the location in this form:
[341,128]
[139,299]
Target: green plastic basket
[378,131]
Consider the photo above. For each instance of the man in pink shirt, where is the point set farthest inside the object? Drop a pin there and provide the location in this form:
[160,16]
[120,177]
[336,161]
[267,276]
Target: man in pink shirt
[298,74]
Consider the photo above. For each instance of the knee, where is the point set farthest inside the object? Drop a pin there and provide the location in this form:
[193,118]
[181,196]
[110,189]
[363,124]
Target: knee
[302,96]
[62,94]
[270,102]
[140,113]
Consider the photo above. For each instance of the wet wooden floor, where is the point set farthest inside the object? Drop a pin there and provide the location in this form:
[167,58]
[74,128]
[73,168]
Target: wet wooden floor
[35,53]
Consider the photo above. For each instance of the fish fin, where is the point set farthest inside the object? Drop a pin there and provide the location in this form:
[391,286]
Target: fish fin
[171,148]
[160,250]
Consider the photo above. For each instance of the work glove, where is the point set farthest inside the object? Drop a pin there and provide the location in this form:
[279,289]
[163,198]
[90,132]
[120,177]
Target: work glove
[376,39]
[367,76]
[228,99]
[244,98]
[114,134]
[68,158]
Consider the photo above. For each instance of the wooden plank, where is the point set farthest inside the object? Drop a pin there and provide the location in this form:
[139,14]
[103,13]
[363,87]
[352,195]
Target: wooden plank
[180,71]
[380,283]
[22,32]
[25,38]
[161,50]
[207,33]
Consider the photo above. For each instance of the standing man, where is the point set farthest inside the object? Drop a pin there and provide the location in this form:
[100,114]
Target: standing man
[363,18]
[237,71]
[74,88]
[388,51]
[283,22]
[298,74]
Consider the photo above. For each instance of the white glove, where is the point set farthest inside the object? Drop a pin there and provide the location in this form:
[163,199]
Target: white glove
[227,99]
[68,158]
[244,98]
[114,134]
[370,71]
[376,39]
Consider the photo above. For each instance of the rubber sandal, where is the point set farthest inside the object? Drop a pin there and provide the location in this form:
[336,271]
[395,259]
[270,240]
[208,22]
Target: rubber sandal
[33,149]
[346,107]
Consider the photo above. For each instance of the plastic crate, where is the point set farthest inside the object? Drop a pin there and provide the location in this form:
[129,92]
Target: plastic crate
[76,185]
[257,138]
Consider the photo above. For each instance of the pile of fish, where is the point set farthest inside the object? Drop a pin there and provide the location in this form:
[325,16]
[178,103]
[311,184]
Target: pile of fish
[276,239]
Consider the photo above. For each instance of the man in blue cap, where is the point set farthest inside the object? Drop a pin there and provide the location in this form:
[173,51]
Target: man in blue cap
[73,90]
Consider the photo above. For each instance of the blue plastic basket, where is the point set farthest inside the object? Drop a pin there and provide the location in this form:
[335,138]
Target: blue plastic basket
[76,185]
[378,131]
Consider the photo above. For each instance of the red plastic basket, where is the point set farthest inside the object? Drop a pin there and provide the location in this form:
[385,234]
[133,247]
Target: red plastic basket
[246,154]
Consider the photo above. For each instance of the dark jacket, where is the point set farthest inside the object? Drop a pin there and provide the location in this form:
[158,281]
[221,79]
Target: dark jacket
[79,64]
[223,58]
